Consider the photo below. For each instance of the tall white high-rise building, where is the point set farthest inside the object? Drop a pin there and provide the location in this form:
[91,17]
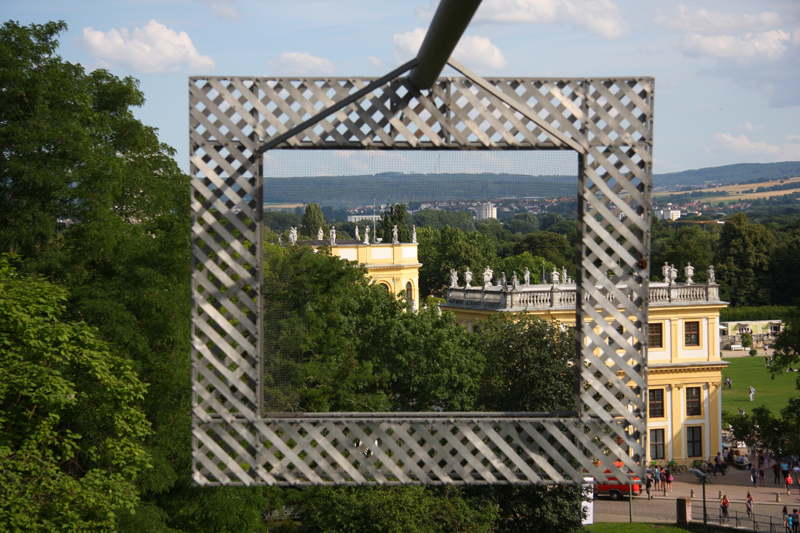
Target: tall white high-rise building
[487,210]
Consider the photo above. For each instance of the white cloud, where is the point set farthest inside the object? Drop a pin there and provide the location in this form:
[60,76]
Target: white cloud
[770,45]
[153,48]
[715,23]
[476,52]
[301,64]
[757,51]
[375,62]
[601,17]
[793,138]
[774,152]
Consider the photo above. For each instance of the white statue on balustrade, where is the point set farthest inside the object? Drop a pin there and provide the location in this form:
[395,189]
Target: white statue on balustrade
[487,277]
[689,271]
[453,277]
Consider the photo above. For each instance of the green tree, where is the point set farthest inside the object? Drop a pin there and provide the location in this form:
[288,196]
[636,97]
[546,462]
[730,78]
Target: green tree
[523,224]
[518,263]
[742,262]
[441,250]
[529,368]
[395,216]
[397,510]
[72,435]
[784,266]
[552,246]
[90,199]
[528,364]
[313,220]
[689,244]
[347,345]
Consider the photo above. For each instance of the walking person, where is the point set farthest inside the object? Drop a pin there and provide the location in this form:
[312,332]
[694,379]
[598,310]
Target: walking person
[795,520]
[784,468]
[657,479]
[789,482]
[752,393]
[776,469]
[668,473]
[762,476]
[753,475]
[749,503]
[785,515]
[723,505]
[648,485]
[719,464]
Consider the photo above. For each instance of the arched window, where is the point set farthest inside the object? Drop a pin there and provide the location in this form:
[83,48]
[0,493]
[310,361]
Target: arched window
[410,294]
[384,286]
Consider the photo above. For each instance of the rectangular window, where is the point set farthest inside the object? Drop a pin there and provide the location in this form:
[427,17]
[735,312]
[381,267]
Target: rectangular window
[693,401]
[656,402]
[694,441]
[655,336]
[656,444]
[691,334]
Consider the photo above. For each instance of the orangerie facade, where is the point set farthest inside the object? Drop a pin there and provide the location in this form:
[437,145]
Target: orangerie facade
[685,369]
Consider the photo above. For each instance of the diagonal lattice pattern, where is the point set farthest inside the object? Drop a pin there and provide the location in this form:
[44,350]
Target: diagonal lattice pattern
[610,120]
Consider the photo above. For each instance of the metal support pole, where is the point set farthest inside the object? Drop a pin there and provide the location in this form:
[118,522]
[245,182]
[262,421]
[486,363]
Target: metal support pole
[448,25]
[705,516]
[630,501]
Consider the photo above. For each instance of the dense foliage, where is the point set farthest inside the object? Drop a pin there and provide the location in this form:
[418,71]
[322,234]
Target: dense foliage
[73,432]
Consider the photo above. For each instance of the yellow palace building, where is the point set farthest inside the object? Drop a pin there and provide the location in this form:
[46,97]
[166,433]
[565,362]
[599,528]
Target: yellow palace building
[685,370]
[392,266]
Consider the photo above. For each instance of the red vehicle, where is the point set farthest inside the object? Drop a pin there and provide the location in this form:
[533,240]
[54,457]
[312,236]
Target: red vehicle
[615,489]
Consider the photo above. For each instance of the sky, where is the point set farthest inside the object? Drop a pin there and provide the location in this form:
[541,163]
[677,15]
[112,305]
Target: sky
[727,71]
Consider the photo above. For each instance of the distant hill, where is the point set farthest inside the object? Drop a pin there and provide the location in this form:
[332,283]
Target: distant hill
[386,187]
[740,173]
[410,187]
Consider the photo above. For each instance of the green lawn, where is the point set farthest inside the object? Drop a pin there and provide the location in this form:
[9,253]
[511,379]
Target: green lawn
[613,527]
[746,371]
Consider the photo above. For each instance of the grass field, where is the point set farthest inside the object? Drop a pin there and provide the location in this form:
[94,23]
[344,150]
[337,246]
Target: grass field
[614,527]
[733,189]
[746,371]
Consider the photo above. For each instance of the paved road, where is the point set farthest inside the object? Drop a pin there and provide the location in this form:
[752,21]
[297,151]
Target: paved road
[735,485]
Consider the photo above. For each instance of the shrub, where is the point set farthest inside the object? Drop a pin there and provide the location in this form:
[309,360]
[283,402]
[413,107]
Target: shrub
[753,352]
[764,312]
[747,340]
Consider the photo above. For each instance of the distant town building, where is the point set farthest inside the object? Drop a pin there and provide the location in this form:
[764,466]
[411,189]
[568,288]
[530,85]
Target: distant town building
[668,214]
[485,211]
[358,218]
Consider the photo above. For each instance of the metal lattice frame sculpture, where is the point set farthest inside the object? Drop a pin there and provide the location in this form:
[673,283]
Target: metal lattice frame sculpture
[608,122]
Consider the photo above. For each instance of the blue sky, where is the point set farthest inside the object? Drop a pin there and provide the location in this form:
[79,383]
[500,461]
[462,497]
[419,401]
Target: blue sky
[727,72]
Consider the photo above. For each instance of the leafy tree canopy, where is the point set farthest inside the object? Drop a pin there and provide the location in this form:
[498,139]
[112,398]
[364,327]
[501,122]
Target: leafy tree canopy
[312,221]
[72,435]
[347,345]
[742,261]
[396,215]
[552,246]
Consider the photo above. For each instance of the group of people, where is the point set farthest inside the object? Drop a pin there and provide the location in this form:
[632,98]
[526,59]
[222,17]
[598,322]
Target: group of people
[791,520]
[660,479]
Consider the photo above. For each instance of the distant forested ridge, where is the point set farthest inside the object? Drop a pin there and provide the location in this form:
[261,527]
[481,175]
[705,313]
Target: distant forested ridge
[391,187]
[398,187]
[740,173]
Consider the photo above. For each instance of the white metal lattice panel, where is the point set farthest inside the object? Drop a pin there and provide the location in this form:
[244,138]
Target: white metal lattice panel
[608,121]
